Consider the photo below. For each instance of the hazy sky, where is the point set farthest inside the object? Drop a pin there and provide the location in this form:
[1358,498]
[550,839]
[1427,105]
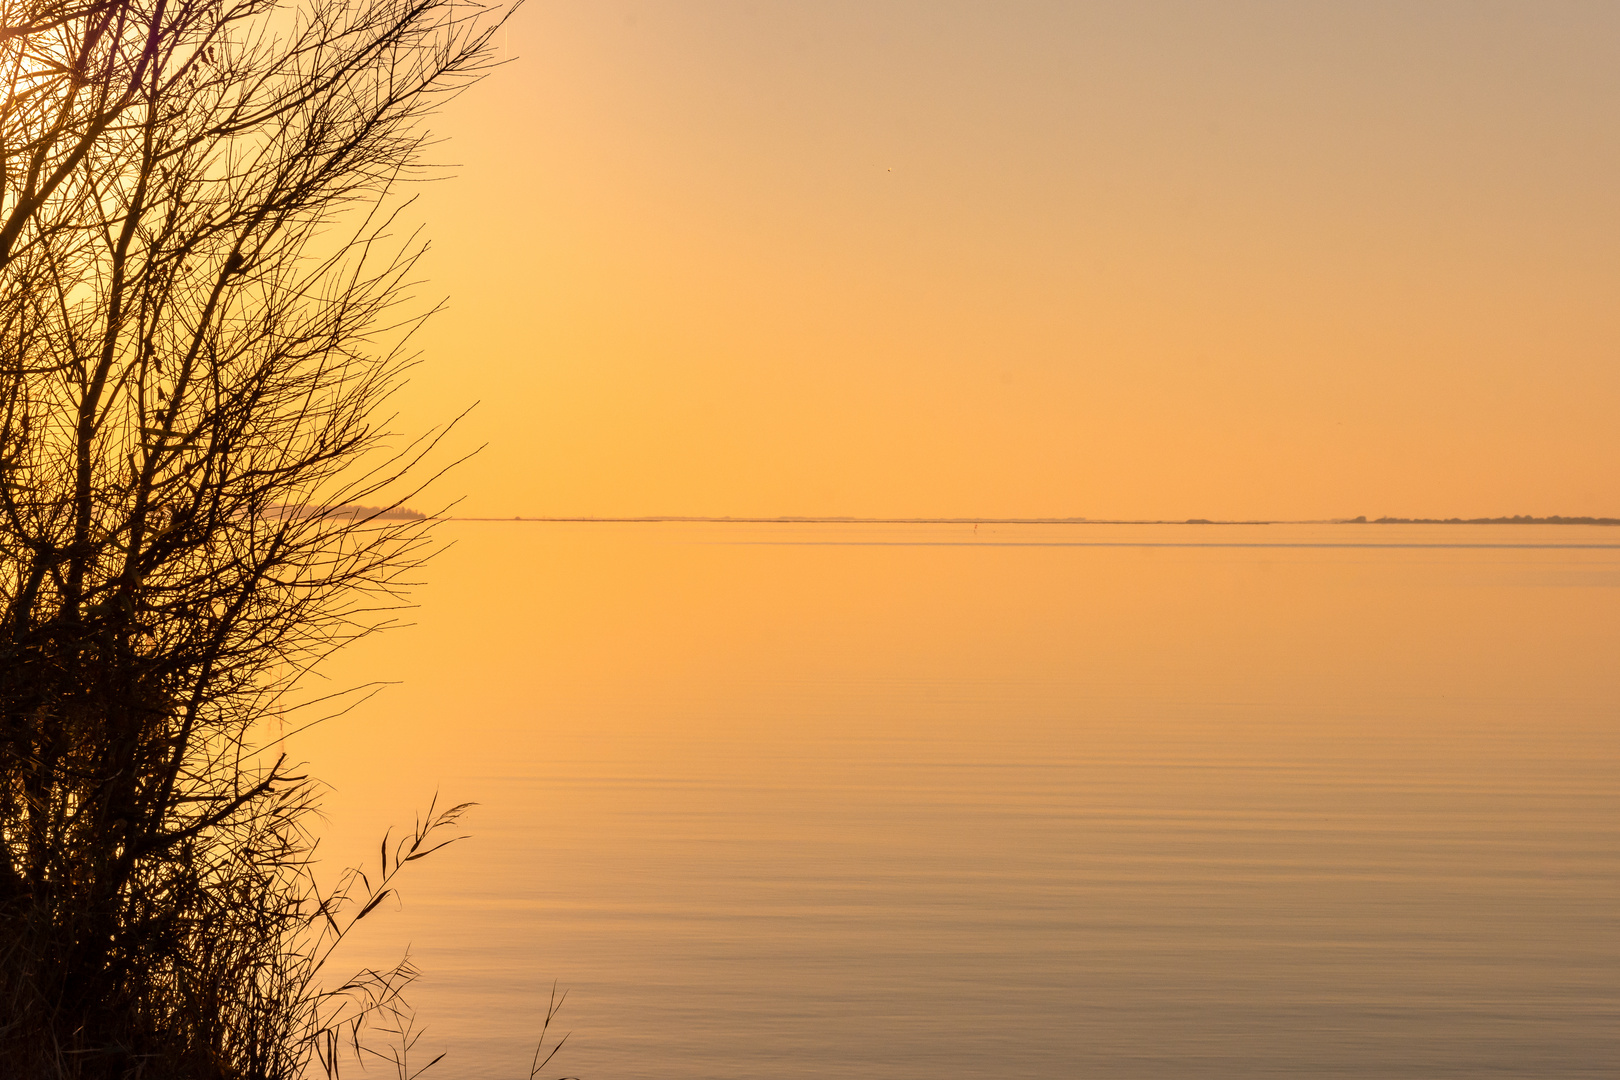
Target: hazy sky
[1105,259]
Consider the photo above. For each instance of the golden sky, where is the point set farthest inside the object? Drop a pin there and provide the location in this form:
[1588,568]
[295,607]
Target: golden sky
[1128,259]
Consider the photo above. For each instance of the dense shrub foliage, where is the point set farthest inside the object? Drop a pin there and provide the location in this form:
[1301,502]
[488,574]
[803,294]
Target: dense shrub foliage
[201,315]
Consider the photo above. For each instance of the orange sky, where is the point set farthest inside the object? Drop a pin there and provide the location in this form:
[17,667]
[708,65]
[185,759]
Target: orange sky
[1106,259]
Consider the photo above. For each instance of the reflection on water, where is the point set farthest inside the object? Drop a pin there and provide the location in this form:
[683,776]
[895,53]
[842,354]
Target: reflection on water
[1043,801]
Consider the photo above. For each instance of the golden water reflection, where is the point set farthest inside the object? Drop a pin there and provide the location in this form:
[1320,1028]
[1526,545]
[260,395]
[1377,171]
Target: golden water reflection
[1040,801]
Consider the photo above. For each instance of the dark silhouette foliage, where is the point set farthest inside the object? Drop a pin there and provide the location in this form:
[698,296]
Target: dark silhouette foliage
[201,318]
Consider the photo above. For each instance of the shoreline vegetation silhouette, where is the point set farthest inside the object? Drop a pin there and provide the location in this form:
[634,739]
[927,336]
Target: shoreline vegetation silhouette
[205,310]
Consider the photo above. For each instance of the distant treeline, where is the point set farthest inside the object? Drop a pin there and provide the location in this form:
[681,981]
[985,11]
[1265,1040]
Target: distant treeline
[1517,519]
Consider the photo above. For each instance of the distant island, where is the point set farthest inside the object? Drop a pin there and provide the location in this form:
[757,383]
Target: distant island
[1517,519]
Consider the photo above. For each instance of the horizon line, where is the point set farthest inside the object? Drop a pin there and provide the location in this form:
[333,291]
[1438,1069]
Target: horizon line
[789,519]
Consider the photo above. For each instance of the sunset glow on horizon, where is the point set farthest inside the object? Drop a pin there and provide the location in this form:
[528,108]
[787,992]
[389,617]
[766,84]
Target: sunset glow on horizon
[1159,260]
[878,539]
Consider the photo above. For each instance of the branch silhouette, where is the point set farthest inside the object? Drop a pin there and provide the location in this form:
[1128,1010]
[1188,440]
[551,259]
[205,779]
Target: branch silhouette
[204,311]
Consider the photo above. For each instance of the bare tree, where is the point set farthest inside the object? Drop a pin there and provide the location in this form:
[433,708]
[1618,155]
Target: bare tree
[202,315]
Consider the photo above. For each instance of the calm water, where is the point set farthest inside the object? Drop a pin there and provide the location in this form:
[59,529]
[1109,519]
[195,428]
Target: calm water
[1047,801]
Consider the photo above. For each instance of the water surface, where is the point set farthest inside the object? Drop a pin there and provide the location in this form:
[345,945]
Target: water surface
[1035,801]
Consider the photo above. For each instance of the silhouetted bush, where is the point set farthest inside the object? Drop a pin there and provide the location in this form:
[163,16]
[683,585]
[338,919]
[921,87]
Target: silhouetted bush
[201,317]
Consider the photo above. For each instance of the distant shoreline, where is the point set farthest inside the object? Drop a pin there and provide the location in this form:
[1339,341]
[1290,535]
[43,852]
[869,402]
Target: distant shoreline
[655,520]
[1519,519]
